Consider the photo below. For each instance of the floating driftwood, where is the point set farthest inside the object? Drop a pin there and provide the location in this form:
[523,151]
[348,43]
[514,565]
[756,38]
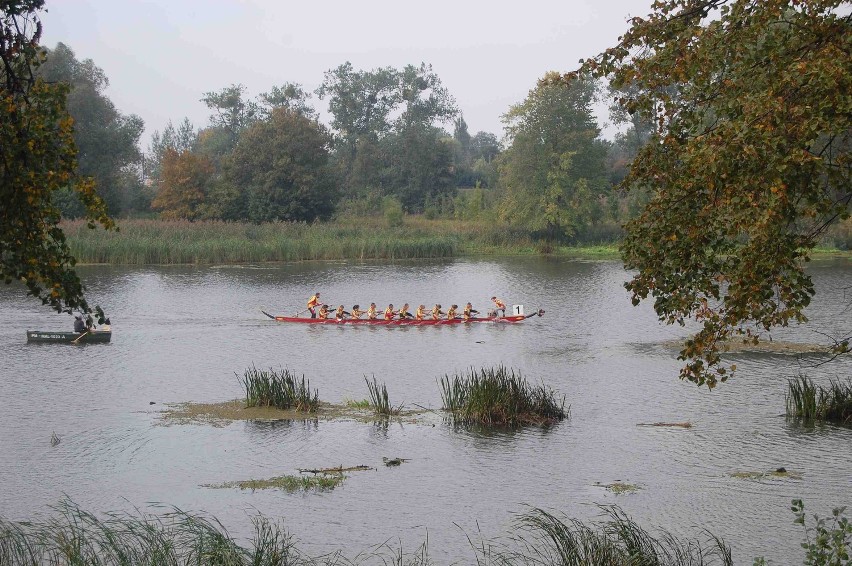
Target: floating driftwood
[675,425]
[777,473]
[338,470]
[393,461]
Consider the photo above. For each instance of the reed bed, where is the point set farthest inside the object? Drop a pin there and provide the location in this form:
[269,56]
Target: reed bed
[808,401]
[499,396]
[177,538]
[379,399]
[281,389]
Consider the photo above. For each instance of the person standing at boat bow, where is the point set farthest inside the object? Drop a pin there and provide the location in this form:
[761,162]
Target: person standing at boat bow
[313,302]
[499,306]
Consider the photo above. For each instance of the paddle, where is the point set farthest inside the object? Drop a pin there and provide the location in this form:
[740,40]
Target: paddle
[74,341]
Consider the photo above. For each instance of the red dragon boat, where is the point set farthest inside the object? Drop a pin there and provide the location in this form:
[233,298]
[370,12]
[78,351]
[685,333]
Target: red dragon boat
[406,321]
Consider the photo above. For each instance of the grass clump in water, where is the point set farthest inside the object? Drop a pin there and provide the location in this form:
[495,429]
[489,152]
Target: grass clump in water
[808,401]
[280,389]
[379,400]
[287,483]
[499,396]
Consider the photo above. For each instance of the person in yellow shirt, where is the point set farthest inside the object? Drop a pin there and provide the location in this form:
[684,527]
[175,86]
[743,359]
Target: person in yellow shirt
[323,312]
[340,314]
[420,313]
[469,311]
[372,313]
[499,306]
[312,304]
[389,312]
[437,312]
[403,312]
[451,312]
[357,312]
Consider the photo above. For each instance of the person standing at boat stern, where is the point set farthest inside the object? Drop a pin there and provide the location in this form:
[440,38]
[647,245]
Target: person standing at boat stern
[313,302]
[499,306]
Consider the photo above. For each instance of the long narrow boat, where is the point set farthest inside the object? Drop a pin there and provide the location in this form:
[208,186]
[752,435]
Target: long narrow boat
[404,322]
[46,336]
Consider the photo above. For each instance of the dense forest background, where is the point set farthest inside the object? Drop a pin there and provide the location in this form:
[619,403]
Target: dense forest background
[396,144]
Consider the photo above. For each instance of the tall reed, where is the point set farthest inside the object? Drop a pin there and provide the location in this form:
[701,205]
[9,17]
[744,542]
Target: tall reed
[379,400]
[809,401]
[281,389]
[499,396]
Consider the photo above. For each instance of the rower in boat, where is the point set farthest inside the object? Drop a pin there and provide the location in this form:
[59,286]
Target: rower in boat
[323,312]
[437,312]
[451,312]
[313,302]
[403,312]
[340,314]
[372,313]
[469,311]
[389,312]
[79,325]
[356,312]
[420,313]
[499,306]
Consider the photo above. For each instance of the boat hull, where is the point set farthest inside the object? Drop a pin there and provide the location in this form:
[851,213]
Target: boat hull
[47,337]
[397,322]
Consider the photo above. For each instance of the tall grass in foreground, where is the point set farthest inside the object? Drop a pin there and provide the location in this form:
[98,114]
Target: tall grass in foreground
[499,396]
[809,401]
[77,537]
[281,389]
[379,399]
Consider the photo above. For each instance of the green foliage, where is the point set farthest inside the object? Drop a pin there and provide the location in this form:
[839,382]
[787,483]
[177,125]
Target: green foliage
[826,543]
[809,401]
[107,141]
[282,165]
[554,168]
[392,212]
[38,158]
[498,396]
[279,389]
[746,169]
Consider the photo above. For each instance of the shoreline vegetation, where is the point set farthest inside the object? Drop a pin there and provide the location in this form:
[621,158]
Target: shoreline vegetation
[174,242]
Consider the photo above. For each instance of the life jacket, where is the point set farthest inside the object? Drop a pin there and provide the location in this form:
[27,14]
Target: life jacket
[403,313]
[436,313]
[451,313]
[389,314]
[323,314]
[420,314]
[467,312]
[356,313]
[500,304]
[312,302]
[372,314]
[338,314]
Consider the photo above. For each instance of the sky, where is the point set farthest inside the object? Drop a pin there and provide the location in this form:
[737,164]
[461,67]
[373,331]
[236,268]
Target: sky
[161,56]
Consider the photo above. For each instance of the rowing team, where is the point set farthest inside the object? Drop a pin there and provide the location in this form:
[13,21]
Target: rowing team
[390,313]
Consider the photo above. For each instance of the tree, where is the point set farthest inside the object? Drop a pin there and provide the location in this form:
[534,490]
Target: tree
[183,138]
[282,163]
[748,164]
[231,113]
[289,95]
[37,159]
[554,167]
[183,184]
[107,140]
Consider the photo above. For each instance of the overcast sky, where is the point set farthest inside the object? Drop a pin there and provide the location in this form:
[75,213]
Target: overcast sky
[162,55]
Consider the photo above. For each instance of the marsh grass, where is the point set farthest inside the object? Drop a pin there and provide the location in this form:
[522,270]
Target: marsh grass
[809,401]
[499,396]
[289,483]
[379,399]
[280,389]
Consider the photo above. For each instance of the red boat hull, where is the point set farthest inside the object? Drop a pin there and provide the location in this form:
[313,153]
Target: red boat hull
[397,322]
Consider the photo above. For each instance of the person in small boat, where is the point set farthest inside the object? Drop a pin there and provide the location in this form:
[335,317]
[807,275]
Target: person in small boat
[403,312]
[106,326]
[340,314]
[372,312]
[499,306]
[389,312]
[323,313]
[451,312]
[469,311]
[79,325]
[420,313]
[437,312]
[356,311]
[313,302]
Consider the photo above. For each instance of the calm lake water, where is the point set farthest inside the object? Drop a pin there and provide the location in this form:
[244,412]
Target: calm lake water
[181,334]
